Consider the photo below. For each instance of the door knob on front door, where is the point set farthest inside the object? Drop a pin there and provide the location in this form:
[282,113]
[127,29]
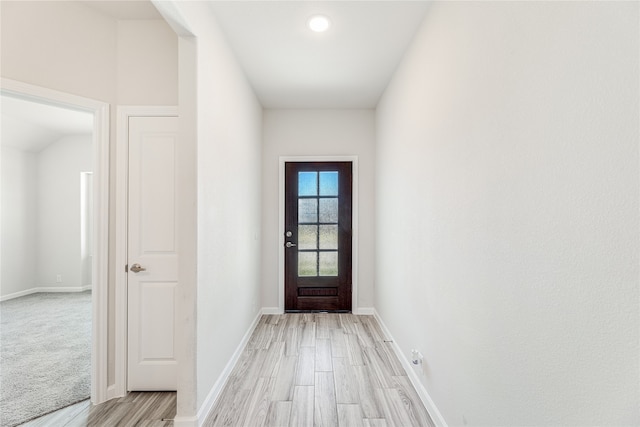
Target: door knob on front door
[136,268]
[290,245]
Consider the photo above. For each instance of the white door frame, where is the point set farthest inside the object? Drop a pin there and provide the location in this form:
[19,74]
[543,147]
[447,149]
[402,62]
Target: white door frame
[100,111]
[354,226]
[122,190]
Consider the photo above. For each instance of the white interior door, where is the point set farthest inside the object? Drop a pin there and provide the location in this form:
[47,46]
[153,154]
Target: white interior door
[152,253]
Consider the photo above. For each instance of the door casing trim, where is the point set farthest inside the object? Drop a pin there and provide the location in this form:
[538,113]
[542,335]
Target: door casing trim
[354,218]
[100,295]
[119,388]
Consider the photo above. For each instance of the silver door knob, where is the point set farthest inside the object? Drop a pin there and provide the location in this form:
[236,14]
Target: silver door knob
[136,268]
[290,245]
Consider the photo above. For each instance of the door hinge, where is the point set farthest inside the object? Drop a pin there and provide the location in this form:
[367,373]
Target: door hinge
[126,268]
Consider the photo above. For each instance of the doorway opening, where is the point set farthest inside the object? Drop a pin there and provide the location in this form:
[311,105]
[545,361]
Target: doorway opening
[96,161]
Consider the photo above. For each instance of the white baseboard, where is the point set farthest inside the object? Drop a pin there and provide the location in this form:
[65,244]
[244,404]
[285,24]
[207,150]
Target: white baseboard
[185,422]
[45,289]
[428,403]
[271,310]
[217,388]
[18,294]
[64,289]
[364,311]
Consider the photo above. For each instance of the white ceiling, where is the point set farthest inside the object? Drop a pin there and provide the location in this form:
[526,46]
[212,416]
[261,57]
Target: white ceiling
[32,126]
[349,66]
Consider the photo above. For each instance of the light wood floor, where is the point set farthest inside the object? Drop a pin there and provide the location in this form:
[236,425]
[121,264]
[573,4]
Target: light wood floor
[152,409]
[319,370]
[298,370]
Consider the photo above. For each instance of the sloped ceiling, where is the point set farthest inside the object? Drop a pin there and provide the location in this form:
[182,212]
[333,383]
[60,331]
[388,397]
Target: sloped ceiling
[31,126]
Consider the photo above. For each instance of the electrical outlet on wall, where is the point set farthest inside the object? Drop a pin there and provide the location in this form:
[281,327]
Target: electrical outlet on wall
[59,278]
[417,360]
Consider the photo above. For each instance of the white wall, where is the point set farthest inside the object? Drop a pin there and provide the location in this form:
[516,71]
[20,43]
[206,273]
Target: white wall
[41,215]
[60,45]
[58,223]
[229,126]
[317,133]
[19,209]
[507,211]
[228,143]
[147,63]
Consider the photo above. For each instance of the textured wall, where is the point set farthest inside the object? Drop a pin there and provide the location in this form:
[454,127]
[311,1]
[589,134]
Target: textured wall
[147,67]
[507,211]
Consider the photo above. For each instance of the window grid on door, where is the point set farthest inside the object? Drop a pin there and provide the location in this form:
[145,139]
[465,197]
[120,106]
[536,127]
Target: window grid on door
[318,201]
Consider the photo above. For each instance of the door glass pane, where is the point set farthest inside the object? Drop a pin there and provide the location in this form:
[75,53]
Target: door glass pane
[328,263]
[307,183]
[329,210]
[307,210]
[308,237]
[328,237]
[307,263]
[328,183]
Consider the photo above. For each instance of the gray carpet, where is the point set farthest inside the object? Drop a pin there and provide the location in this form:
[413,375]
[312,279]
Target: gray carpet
[45,354]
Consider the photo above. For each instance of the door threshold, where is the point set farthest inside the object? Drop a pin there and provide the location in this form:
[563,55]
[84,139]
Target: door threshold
[317,311]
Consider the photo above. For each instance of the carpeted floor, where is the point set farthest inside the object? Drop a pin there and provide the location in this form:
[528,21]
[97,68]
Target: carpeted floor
[45,354]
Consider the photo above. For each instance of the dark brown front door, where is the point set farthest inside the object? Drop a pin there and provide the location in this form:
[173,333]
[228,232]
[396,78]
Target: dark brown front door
[318,236]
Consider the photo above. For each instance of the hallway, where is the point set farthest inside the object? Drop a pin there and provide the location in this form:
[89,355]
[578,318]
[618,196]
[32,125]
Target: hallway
[313,369]
[497,200]
[318,369]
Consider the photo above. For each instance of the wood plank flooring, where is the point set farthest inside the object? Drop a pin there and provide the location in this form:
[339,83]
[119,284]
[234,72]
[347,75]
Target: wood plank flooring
[313,369]
[137,409]
[318,369]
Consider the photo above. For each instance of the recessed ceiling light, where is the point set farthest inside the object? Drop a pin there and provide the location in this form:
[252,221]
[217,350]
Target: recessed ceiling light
[319,23]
